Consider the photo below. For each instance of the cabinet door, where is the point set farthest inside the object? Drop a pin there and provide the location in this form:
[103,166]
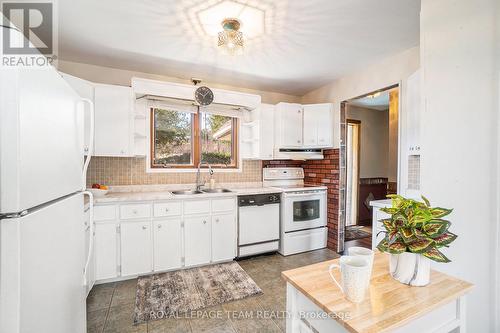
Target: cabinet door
[106,251]
[266,123]
[311,116]
[167,253]
[113,115]
[223,237]
[136,248]
[86,90]
[324,121]
[197,240]
[291,124]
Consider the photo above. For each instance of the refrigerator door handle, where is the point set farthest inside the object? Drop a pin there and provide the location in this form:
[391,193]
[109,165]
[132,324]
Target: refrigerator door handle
[91,141]
[91,235]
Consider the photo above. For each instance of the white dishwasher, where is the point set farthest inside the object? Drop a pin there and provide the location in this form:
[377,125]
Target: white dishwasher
[258,224]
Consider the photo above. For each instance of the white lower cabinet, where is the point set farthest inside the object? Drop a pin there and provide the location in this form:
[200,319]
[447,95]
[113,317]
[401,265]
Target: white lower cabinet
[106,247]
[134,238]
[136,248]
[197,240]
[167,242]
[223,237]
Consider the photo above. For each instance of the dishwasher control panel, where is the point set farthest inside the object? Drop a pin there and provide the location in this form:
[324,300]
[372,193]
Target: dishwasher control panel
[258,199]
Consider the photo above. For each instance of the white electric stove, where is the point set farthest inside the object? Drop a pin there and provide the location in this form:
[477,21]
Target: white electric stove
[303,210]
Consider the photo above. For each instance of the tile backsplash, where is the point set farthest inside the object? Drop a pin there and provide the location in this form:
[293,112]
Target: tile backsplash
[132,171]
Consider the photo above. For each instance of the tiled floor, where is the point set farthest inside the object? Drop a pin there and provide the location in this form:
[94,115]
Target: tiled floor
[110,307]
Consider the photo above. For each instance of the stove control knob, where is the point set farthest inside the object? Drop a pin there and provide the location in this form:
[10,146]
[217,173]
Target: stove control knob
[273,198]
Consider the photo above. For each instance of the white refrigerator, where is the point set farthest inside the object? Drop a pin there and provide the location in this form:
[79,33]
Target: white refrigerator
[42,255]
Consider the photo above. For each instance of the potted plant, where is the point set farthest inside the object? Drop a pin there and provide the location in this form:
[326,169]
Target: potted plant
[414,233]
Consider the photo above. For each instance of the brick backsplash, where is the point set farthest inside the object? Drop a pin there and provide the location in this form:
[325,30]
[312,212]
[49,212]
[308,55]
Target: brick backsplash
[132,171]
[321,172]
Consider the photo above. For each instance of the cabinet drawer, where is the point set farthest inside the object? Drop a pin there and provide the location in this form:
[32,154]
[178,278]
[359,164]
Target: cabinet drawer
[223,205]
[197,207]
[103,213]
[135,211]
[167,209]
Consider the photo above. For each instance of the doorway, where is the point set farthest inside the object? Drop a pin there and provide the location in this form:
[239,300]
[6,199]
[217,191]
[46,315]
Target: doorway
[369,161]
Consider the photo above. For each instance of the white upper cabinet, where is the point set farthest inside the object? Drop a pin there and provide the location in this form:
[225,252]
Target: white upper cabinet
[257,134]
[288,125]
[86,90]
[304,126]
[266,115]
[114,116]
[413,111]
[113,120]
[318,125]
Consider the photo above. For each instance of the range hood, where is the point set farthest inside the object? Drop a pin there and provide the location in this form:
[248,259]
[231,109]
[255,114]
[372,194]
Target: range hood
[298,154]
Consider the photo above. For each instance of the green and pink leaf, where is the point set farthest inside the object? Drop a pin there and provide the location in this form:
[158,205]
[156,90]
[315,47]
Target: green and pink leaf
[436,255]
[445,239]
[420,245]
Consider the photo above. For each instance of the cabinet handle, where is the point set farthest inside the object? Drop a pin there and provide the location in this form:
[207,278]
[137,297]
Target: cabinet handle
[166,210]
[204,222]
[298,111]
[298,141]
[122,151]
[144,227]
[134,211]
[86,149]
[159,226]
[217,220]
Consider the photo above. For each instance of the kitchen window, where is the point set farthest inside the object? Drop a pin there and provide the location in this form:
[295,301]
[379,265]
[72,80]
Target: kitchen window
[182,139]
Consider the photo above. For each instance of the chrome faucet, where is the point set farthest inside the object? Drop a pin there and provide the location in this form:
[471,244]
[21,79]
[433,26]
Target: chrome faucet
[198,175]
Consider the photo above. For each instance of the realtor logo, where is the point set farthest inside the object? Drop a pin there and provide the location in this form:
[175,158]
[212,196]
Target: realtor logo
[35,21]
[29,36]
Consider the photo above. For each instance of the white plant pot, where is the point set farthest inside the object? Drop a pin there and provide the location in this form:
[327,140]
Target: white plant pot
[410,268]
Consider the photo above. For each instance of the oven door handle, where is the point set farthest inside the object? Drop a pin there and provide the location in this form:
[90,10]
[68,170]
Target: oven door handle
[295,195]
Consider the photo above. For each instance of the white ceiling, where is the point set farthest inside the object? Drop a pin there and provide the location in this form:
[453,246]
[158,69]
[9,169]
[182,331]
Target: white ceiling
[297,47]
[378,102]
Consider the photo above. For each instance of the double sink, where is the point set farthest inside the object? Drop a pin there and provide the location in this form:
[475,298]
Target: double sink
[191,192]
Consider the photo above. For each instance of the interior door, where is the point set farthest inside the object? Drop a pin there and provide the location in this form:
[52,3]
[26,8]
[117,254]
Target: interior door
[136,247]
[41,138]
[41,277]
[223,237]
[197,240]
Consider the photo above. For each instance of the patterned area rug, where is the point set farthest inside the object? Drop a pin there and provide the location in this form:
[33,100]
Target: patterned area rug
[171,294]
[355,232]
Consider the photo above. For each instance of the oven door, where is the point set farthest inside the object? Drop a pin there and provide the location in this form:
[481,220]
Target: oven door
[304,210]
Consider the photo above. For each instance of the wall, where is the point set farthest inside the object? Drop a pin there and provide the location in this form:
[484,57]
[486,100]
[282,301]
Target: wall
[131,171]
[321,172]
[380,75]
[374,149]
[122,77]
[459,140]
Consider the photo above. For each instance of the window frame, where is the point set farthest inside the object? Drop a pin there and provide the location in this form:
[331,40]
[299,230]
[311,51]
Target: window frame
[195,146]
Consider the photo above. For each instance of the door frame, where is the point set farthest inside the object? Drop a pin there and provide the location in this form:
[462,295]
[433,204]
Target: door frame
[358,122]
[343,121]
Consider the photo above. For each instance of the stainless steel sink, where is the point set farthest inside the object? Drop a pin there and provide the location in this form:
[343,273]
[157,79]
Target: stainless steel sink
[217,190]
[186,192]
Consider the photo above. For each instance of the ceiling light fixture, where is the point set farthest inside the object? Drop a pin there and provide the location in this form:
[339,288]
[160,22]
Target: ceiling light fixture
[230,38]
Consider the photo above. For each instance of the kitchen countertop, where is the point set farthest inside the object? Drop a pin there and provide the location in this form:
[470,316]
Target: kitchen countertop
[388,304]
[163,192]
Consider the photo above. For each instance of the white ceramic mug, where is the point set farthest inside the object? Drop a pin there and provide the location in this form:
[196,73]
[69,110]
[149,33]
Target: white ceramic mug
[363,252]
[355,277]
